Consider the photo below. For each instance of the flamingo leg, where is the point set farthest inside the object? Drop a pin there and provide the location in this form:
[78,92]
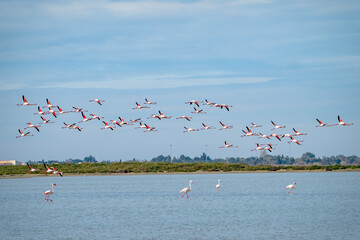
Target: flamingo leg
[187,195]
[182,195]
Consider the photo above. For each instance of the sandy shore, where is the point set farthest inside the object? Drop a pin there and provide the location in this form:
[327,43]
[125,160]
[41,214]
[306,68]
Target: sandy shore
[13,176]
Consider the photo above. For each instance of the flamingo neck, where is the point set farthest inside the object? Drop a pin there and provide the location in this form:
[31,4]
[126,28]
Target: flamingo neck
[52,187]
[190,185]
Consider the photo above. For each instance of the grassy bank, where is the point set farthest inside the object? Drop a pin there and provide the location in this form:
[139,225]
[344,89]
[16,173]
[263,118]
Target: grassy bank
[162,167]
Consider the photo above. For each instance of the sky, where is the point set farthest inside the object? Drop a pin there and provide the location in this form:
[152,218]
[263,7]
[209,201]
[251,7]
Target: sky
[284,61]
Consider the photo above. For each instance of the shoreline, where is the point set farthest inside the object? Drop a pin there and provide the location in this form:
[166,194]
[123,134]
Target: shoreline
[15,176]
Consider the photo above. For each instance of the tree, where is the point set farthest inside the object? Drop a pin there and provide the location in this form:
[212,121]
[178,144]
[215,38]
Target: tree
[90,159]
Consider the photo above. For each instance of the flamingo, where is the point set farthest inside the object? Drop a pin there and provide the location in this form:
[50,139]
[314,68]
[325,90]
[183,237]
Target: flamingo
[190,129]
[184,117]
[227,145]
[49,192]
[255,125]
[285,135]
[149,129]
[45,121]
[298,133]
[270,145]
[123,122]
[148,102]
[187,189]
[275,135]
[49,104]
[61,111]
[208,103]
[295,141]
[218,185]
[225,106]
[85,119]
[33,126]
[155,116]
[141,125]
[95,117]
[52,111]
[268,148]
[23,134]
[290,187]
[249,133]
[79,109]
[32,169]
[163,116]
[57,172]
[107,126]
[97,100]
[67,125]
[206,127]
[193,102]
[115,122]
[341,123]
[73,126]
[25,102]
[224,126]
[135,120]
[276,126]
[264,136]
[48,170]
[139,106]
[198,111]
[40,112]
[258,147]
[322,124]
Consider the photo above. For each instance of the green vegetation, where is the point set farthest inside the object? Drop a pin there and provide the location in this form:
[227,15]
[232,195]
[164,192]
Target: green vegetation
[162,167]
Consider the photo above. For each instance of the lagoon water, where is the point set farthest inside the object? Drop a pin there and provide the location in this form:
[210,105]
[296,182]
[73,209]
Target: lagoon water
[248,206]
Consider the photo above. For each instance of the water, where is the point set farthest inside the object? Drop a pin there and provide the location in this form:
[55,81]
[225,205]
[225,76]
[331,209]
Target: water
[248,206]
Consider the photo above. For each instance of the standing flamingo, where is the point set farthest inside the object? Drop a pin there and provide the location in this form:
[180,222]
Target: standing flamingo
[187,189]
[290,187]
[49,192]
[218,185]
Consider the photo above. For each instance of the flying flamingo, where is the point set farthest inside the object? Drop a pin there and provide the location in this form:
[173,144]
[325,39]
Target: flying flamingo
[123,122]
[155,116]
[148,102]
[298,133]
[23,134]
[85,119]
[198,111]
[206,127]
[341,123]
[45,121]
[40,112]
[255,125]
[141,125]
[49,192]
[163,116]
[67,125]
[48,170]
[184,117]
[49,104]
[79,109]
[264,136]
[25,102]
[249,133]
[227,145]
[52,111]
[97,100]
[270,145]
[208,103]
[258,147]
[61,111]
[276,126]
[218,185]
[135,120]
[224,126]
[295,141]
[139,106]
[32,169]
[107,126]
[275,135]
[193,102]
[73,126]
[322,124]
[290,187]
[285,135]
[57,172]
[149,129]
[190,129]
[115,122]
[187,189]
[95,117]
[225,106]
[33,126]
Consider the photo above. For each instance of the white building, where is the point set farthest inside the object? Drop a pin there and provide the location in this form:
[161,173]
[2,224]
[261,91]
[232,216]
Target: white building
[10,162]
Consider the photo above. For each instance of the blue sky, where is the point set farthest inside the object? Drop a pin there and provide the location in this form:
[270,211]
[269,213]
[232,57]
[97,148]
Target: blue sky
[286,61]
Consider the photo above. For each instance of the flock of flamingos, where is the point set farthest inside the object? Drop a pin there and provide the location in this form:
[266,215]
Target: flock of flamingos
[121,122]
